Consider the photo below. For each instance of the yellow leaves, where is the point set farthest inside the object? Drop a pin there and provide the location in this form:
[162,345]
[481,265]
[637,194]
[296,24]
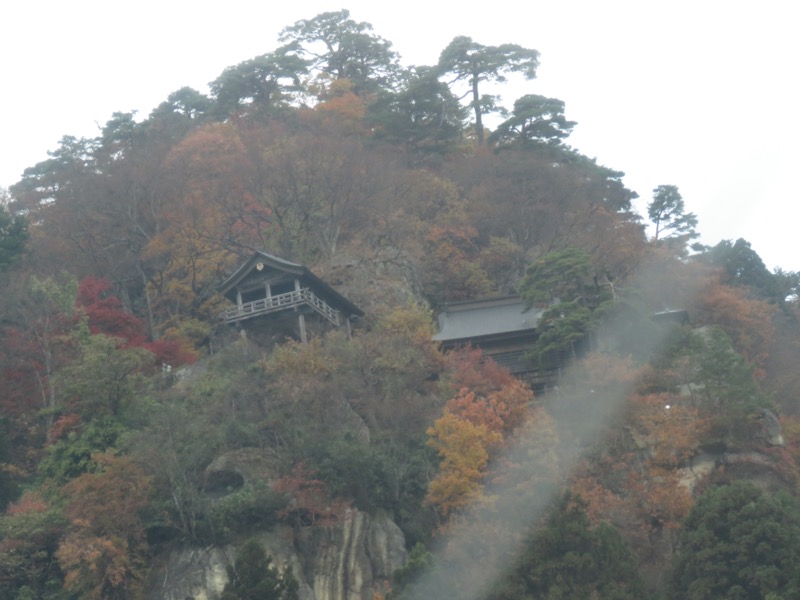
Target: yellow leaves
[488,406]
[463,447]
[300,360]
[453,268]
[404,336]
[410,321]
[94,565]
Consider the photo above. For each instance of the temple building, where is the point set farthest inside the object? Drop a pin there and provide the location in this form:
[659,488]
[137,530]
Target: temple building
[505,331]
[286,295]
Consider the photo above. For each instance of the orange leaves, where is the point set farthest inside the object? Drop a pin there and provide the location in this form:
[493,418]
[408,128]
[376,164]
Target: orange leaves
[670,428]
[748,322]
[210,206]
[477,411]
[94,565]
[102,554]
[500,412]
[30,502]
[343,108]
[109,500]
[486,394]
[470,370]
[483,412]
[659,498]
[670,432]
[511,404]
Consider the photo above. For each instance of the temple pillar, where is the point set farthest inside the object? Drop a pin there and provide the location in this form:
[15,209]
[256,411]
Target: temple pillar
[347,327]
[302,321]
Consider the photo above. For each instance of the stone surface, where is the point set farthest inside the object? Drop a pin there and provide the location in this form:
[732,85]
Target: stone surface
[192,573]
[771,432]
[352,560]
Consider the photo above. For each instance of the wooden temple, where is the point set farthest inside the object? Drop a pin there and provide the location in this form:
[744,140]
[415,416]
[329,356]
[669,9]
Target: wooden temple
[266,287]
[505,331]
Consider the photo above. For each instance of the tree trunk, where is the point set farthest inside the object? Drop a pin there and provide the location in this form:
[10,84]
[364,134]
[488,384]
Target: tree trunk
[476,104]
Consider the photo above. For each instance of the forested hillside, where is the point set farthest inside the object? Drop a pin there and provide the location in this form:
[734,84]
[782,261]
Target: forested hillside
[137,424]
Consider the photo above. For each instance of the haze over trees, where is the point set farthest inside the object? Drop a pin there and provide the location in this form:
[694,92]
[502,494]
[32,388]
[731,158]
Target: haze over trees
[391,183]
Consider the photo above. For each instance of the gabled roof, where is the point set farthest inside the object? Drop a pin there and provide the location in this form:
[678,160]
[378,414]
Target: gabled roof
[476,319]
[301,272]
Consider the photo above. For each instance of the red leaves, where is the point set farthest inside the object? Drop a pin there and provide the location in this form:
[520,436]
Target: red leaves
[107,316]
[487,407]
[470,370]
[63,426]
[310,503]
[29,503]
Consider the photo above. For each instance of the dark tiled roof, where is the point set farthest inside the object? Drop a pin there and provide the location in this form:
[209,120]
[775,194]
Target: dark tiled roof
[320,287]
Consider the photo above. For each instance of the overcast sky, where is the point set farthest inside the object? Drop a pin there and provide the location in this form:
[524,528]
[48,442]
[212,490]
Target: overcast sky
[702,94]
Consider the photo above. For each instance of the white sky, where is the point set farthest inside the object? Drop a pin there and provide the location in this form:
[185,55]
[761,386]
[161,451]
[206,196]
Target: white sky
[701,94]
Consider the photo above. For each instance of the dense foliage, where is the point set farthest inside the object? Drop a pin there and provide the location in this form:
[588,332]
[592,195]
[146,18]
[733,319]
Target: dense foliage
[132,418]
[568,558]
[739,542]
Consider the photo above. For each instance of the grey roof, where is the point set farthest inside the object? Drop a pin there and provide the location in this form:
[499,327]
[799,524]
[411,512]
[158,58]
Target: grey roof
[259,256]
[478,318]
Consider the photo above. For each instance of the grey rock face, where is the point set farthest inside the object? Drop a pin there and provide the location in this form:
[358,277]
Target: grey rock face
[196,573]
[351,560]
[355,559]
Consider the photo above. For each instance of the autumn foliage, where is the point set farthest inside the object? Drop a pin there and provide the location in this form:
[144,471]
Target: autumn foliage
[485,410]
[106,315]
[102,556]
[327,153]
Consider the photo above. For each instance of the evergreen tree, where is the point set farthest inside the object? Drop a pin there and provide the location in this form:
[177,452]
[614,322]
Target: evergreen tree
[473,63]
[13,235]
[566,286]
[739,543]
[570,559]
[668,213]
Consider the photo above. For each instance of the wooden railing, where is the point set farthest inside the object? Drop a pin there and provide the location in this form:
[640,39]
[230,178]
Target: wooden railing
[296,298]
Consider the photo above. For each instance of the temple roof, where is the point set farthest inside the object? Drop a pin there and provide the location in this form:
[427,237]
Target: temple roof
[474,319]
[274,263]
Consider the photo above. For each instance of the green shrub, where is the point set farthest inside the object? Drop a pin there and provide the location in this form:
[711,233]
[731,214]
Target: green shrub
[252,507]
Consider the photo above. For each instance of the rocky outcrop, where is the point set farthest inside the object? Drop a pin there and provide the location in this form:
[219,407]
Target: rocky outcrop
[196,573]
[351,560]
[759,468]
[770,431]
[387,278]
